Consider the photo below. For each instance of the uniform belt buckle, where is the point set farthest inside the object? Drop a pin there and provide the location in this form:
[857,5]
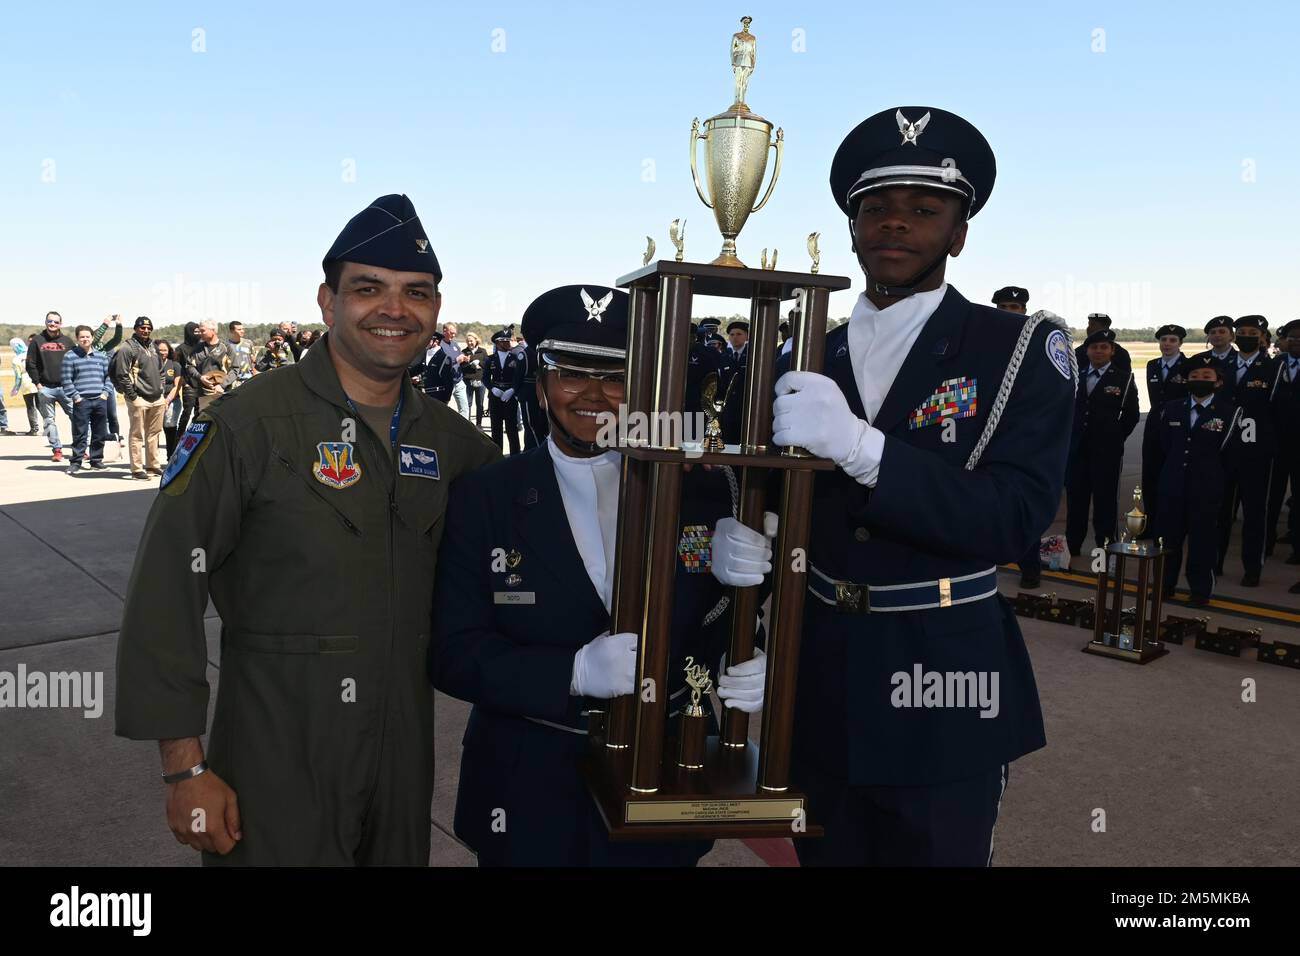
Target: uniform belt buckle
[945,592]
[852,598]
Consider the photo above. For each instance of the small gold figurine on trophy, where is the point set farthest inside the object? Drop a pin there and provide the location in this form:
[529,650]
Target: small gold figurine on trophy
[713,406]
[736,146]
[765,264]
[677,233]
[649,251]
[1135,522]
[694,727]
[814,251]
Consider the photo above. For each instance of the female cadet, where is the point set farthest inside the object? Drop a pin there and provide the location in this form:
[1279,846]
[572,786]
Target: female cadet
[521,624]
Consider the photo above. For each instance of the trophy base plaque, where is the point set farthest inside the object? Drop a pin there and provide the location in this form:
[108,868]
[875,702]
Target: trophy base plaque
[1120,647]
[720,801]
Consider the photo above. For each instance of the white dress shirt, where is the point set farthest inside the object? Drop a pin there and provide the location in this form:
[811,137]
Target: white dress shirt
[879,342]
[589,489]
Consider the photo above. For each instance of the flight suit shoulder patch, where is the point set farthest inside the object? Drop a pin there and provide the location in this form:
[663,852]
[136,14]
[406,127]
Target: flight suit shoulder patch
[176,478]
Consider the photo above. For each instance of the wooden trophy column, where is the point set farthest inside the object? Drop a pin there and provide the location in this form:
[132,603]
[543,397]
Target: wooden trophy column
[632,771]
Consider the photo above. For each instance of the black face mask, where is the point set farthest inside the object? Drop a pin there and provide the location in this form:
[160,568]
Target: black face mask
[1248,343]
[1200,387]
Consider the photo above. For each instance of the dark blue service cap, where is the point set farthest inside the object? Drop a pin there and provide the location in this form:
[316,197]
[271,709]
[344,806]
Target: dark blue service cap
[388,234]
[709,325]
[738,324]
[1177,330]
[1218,322]
[586,320]
[503,335]
[1252,321]
[914,146]
[1101,335]
[1289,327]
[1011,293]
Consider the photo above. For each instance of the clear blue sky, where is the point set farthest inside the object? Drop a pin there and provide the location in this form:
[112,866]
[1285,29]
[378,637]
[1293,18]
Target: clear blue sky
[1121,182]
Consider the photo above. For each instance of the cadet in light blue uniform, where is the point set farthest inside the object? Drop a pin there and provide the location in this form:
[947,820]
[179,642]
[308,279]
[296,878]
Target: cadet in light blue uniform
[949,424]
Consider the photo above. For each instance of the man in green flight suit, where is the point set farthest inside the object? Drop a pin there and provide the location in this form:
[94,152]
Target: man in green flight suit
[328,479]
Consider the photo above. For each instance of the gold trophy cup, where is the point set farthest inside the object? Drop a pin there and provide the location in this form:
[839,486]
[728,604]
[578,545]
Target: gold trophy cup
[1135,522]
[736,144]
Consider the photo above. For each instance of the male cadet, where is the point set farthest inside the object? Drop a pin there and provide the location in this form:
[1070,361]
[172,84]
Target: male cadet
[1105,414]
[1219,332]
[1254,442]
[1286,463]
[433,372]
[1012,298]
[1194,435]
[501,375]
[1098,322]
[732,363]
[329,478]
[1166,380]
[939,478]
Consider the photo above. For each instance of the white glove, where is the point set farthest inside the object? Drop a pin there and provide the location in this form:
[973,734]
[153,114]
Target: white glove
[496,391]
[605,668]
[508,394]
[811,412]
[740,555]
[741,686]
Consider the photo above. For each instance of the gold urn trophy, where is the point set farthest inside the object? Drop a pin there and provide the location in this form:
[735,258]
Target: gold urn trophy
[650,777]
[736,144]
[1112,637]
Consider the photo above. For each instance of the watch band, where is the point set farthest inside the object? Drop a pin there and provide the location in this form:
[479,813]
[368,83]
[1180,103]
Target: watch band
[180,775]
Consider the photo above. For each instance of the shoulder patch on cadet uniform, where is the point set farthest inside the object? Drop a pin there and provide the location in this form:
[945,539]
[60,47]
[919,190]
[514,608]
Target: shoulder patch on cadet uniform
[695,548]
[188,449]
[1058,350]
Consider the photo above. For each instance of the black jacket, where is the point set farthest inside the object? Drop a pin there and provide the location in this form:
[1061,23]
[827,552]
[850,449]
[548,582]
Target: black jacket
[1195,459]
[473,369]
[136,371]
[45,358]
[507,376]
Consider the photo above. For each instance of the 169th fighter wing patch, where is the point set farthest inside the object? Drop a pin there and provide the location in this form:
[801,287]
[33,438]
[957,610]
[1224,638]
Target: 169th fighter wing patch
[188,451]
[1058,350]
[696,548]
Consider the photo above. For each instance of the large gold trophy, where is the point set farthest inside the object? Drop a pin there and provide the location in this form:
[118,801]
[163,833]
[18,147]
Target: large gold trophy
[646,785]
[736,143]
[1139,641]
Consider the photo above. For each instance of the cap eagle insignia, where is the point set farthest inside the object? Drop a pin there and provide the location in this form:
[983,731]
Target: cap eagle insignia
[911,131]
[594,308]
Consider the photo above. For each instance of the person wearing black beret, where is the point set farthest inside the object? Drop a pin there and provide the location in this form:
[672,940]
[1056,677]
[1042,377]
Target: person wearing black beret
[1119,355]
[948,424]
[526,637]
[1219,334]
[1011,298]
[1253,445]
[502,376]
[327,479]
[1166,378]
[1105,414]
[1286,463]
[1194,434]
